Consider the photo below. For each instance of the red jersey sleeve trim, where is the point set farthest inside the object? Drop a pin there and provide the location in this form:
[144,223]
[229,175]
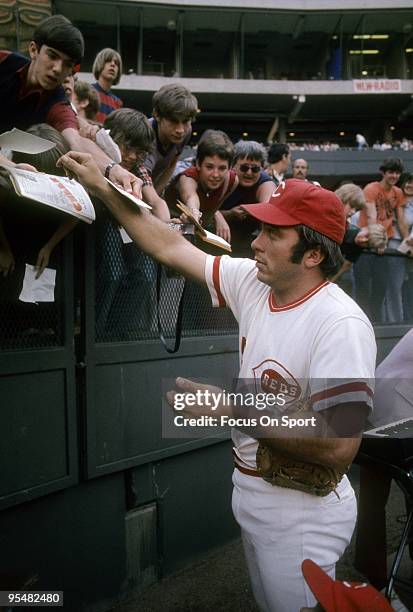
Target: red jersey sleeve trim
[349,387]
[216,281]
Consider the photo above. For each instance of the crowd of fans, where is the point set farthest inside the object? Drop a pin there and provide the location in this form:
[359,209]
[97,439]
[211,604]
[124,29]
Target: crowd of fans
[405,144]
[144,155]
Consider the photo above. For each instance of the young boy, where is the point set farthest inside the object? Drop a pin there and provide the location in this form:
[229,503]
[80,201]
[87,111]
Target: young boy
[107,70]
[205,186]
[85,100]
[174,110]
[135,138]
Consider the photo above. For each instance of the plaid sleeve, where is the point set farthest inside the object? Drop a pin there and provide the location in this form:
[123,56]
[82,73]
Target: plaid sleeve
[142,172]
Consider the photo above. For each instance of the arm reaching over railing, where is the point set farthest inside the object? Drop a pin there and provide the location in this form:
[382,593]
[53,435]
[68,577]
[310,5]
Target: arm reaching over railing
[150,234]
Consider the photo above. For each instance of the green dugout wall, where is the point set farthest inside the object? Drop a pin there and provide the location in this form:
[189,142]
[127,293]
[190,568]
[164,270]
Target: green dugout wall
[93,501]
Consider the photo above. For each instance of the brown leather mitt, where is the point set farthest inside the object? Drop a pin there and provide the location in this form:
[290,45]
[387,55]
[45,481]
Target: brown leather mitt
[282,471]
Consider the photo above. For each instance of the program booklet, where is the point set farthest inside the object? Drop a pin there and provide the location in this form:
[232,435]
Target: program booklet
[202,232]
[58,192]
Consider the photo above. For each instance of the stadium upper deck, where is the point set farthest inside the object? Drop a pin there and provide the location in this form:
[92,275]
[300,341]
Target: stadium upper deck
[304,67]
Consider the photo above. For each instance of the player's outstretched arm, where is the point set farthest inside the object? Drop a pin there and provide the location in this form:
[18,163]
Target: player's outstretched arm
[151,235]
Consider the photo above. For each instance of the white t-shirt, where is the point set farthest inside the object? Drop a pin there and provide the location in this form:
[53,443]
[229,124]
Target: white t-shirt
[295,348]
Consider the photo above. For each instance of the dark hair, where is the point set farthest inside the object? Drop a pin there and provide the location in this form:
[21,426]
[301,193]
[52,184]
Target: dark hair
[392,164]
[130,128]
[406,177]
[310,239]
[249,149]
[276,152]
[84,91]
[215,142]
[104,56]
[46,161]
[175,102]
[60,33]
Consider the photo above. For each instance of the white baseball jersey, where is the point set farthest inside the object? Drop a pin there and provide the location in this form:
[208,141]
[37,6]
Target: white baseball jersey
[294,348]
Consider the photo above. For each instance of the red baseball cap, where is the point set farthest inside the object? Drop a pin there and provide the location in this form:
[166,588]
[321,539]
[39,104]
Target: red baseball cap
[336,596]
[296,202]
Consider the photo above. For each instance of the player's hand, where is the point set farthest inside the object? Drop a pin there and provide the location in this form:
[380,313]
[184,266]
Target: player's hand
[208,396]
[7,262]
[82,166]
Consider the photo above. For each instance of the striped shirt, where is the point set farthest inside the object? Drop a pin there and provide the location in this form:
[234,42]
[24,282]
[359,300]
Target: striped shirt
[108,102]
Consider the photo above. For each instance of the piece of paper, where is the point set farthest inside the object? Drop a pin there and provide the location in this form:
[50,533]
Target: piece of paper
[129,196]
[17,140]
[126,239]
[38,289]
[217,240]
[405,248]
[108,145]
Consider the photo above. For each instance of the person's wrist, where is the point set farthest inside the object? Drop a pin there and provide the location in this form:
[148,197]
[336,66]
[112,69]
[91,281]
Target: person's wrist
[109,168]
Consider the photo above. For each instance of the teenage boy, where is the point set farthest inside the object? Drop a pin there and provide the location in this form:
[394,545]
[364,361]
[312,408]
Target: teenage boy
[132,132]
[174,110]
[204,187]
[31,91]
[380,277]
[107,70]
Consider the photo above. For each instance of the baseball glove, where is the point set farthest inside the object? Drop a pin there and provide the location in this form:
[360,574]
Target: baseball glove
[377,236]
[280,470]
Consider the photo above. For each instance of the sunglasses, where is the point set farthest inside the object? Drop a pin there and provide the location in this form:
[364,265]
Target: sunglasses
[246,167]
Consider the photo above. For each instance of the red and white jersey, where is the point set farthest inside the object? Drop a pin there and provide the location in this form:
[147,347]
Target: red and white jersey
[320,348]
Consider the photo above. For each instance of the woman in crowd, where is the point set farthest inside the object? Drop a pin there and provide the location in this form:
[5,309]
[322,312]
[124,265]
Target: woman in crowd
[255,185]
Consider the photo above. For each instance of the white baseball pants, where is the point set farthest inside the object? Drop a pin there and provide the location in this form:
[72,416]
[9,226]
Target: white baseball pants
[282,527]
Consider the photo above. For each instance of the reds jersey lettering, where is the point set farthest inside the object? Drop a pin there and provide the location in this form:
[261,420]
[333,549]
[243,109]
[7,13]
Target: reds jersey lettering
[271,377]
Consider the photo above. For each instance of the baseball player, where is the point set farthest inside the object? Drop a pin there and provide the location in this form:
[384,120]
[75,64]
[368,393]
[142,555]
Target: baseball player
[297,331]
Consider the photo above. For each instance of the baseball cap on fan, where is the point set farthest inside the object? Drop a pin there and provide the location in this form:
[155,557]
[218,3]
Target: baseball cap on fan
[336,596]
[297,202]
